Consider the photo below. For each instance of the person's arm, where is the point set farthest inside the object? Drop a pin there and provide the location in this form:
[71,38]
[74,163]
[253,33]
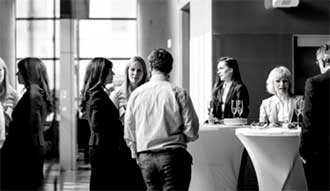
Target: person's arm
[35,116]
[263,117]
[129,130]
[114,98]
[307,130]
[189,116]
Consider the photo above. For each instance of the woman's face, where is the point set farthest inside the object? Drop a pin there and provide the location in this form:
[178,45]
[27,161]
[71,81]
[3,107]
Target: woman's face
[281,85]
[109,78]
[2,74]
[20,77]
[225,73]
[135,73]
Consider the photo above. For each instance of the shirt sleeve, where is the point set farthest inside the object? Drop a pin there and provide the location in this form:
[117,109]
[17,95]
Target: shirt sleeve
[262,112]
[189,116]
[307,130]
[129,128]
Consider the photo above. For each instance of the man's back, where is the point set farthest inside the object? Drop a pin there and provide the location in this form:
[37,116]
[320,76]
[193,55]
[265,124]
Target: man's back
[157,111]
[316,116]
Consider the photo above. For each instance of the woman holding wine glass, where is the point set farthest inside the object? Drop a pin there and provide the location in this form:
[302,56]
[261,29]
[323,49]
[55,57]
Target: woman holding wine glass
[227,88]
[279,108]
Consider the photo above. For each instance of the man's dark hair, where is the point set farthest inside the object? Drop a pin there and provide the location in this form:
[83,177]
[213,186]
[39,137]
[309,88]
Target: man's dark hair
[161,60]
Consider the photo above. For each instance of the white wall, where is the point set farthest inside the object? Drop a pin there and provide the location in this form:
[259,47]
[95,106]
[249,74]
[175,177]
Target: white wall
[7,36]
[201,55]
[158,21]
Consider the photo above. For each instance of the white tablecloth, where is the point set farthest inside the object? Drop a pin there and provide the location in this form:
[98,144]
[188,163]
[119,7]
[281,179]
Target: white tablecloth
[216,159]
[274,154]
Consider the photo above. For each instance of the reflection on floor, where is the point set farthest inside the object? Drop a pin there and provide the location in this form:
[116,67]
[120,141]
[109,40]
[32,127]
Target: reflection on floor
[57,180]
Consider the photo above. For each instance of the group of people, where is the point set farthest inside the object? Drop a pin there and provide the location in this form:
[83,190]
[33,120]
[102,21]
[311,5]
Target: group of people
[278,110]
[140,131]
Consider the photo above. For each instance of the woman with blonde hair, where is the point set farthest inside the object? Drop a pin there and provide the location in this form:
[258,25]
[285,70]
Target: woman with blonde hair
[278,108]
[135,75]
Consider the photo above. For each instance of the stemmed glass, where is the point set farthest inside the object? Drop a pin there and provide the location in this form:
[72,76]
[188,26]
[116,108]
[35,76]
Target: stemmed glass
[233,107]
[299,107]
[239,107]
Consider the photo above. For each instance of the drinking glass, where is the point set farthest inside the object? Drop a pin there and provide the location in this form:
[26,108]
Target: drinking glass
[239,107]
[299,107]
[233,107]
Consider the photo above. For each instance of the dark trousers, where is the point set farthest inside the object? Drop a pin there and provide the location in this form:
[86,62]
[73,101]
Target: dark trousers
[168,169]
[114,170]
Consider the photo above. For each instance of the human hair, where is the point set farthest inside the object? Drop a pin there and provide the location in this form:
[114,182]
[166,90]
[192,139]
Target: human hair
[230,63]
[127,83]
[275,73]
[324,53]
[161,60]
[96,73]
[4,84]
[34,71]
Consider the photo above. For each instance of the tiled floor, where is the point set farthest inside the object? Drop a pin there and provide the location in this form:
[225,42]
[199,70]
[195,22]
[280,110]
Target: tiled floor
[57,180]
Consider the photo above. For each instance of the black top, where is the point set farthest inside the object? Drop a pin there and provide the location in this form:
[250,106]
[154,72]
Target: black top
[315,131]
[237,91]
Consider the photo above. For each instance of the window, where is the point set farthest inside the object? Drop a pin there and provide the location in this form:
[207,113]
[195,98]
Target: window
[109,32]
[37,34]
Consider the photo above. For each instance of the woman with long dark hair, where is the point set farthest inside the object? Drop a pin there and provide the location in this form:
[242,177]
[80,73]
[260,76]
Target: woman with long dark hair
[228,87]
[108,150]
[22,155]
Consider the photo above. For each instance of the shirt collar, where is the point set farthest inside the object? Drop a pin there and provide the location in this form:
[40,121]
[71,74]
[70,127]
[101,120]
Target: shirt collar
[158,77]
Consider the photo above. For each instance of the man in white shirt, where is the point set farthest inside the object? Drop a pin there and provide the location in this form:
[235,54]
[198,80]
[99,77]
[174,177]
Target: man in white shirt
[159,122]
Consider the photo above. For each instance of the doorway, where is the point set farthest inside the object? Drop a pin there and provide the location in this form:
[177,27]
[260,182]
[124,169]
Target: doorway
[304,56]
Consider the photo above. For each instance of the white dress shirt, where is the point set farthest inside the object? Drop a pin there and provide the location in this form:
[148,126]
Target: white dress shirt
[159,115]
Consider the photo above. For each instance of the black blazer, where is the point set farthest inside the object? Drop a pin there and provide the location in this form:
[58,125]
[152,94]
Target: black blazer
[103,119]
[237,91]
[316,117]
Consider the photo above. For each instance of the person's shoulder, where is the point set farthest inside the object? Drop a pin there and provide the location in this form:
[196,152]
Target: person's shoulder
[269,99]
[178,89]
[119,91]
[11,92]
[180,92]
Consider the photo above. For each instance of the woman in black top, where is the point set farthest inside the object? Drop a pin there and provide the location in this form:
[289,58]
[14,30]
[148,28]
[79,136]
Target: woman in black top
[109,154]
[22,156]
[228,87]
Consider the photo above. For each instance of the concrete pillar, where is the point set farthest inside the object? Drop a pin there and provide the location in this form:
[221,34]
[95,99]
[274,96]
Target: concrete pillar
[7,36]
[68,151]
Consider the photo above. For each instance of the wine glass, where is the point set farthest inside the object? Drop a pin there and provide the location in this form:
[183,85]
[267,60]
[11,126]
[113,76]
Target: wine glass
[233,107]
[299,107]
[239,107]
[210,110]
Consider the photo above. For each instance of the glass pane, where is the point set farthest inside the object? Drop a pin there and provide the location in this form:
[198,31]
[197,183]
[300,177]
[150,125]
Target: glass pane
[37,8]
[35,38]
[116,39]
[50,71]
[118,69]
[112,9]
